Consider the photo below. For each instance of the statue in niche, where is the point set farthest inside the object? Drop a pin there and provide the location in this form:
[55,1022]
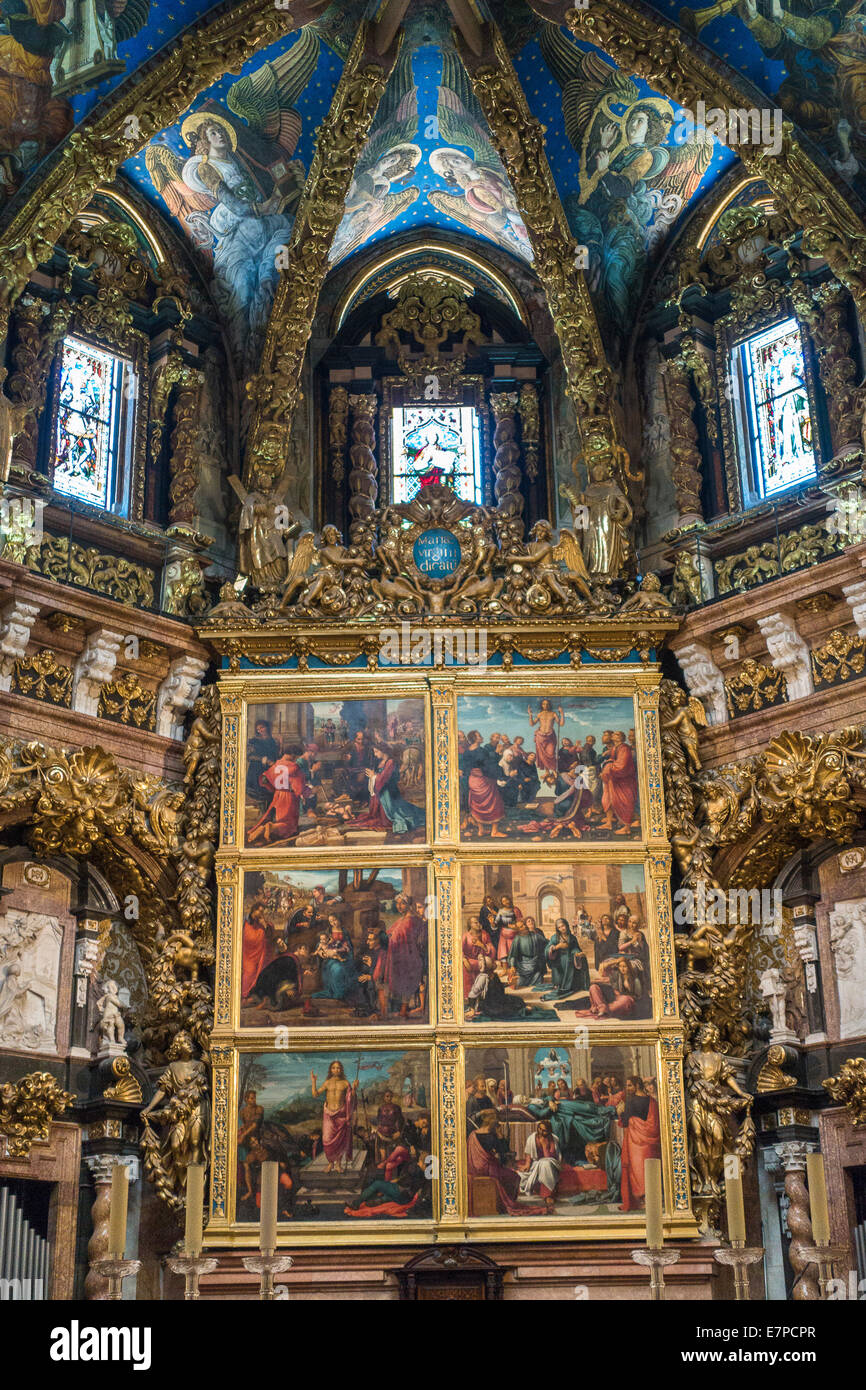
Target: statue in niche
[111,1027]
[180,1108]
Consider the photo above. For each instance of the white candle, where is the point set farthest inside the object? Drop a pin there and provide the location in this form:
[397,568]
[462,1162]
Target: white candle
[194,1203]
[117,1213]
[818,1199]
[652,1177]
[268,1235]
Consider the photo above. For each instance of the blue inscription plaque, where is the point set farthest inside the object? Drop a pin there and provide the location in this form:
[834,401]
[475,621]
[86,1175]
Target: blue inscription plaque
[436,553]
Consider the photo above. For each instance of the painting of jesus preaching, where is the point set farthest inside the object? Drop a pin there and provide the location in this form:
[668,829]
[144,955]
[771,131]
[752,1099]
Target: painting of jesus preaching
[335,946]
[335,772]
[551,943]
[547,768]
[349,1130]
[555,1131]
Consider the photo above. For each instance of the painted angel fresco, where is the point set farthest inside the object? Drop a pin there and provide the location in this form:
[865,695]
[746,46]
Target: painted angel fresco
[237,192]
[633,185]
[388,158]
[823,48]
[479,194]
[50,50]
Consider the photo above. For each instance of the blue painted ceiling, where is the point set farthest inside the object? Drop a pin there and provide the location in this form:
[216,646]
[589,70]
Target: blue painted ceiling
[626,176]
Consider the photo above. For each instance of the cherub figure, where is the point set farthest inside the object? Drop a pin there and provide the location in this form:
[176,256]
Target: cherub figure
[689,714]
[111,1027]
[648,598]
[545,558]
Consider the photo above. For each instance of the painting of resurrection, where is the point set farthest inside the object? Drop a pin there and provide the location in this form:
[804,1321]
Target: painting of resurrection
[335,946]
[335,772]
[548,768]
[549,943]
[559,1131]
[349,1130]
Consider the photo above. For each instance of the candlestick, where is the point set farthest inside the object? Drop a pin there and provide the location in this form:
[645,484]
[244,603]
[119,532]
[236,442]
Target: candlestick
[117,1212]
[656,1260]
[818,1207]
[194,1204]
[734,1200]
[115,1271]
[825,1256]
[740,1256]
[266,1266]
[192,1268]
[270,1181]
[652,1173]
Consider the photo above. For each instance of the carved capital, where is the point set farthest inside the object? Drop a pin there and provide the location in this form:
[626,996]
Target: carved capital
[16,624]
[177,695]
[94,668]
[788,653]
[704,679]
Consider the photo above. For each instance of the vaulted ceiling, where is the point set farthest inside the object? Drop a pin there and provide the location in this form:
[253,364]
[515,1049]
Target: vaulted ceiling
[627,166]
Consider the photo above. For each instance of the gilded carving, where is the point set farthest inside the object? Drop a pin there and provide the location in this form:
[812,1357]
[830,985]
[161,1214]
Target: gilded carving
[43,677]
[755,686]
[127,701]
[849,1088]
[27,1110]
[67,562]
[840,657]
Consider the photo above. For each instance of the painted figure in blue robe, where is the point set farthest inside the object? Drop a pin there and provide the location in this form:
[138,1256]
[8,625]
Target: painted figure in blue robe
[569,968]
[526,957]
[339,976]
[575,1123]
[388,809]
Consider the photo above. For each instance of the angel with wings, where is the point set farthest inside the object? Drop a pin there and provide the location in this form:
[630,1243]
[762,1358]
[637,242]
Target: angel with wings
[633,185]
[237,192]
[389,157]
[479,194]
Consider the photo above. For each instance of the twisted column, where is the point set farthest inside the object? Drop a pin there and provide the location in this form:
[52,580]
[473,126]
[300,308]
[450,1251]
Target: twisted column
[338,430]
[530,427]
[100,1165]
[685,453]
[38,330]
[792,1156]
[825,312]
[363,472]
[506,460]
[183,460]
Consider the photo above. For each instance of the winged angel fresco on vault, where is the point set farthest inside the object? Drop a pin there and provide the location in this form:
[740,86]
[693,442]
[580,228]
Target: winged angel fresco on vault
[388,158]
[478,194]
[237,191]
[632,184]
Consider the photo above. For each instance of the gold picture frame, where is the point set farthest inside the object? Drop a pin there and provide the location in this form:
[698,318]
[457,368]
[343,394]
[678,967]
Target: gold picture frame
[447,1036]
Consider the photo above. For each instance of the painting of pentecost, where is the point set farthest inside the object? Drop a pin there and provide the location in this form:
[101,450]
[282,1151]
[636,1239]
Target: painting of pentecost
[335,946]
[349,1130]
[545,943]
[558,1131]
[547,768]
[335,772]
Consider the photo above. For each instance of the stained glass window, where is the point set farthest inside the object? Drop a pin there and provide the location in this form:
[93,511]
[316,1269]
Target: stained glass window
[778,423]
[87,440]
[435,444]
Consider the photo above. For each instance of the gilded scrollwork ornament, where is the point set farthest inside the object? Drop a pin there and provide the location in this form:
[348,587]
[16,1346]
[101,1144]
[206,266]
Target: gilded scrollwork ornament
[848,1088]
[27,1110]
